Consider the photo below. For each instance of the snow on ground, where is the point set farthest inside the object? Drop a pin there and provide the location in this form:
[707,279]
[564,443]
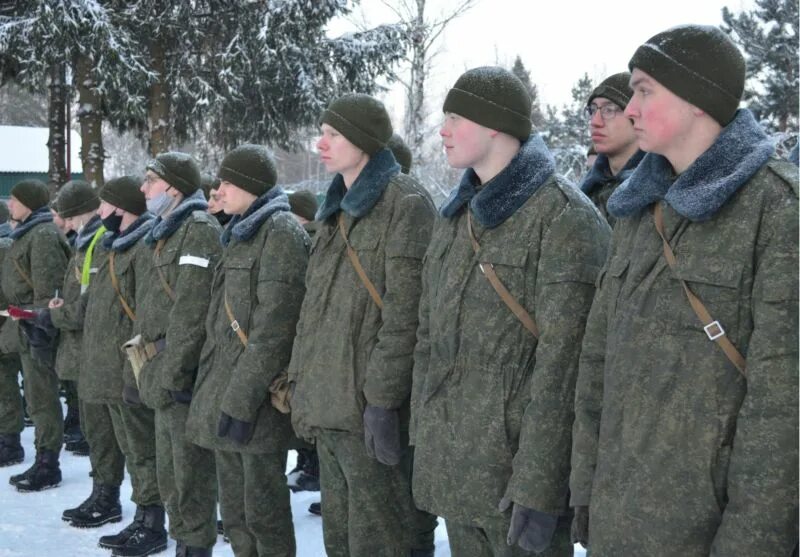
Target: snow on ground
[31,525]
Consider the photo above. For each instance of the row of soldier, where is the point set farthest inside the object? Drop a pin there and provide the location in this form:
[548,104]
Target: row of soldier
[504,362]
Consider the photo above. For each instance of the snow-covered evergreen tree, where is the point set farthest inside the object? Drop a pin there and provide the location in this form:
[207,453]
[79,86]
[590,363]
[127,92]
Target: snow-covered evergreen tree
[566,131]
[537,116]
[768,35]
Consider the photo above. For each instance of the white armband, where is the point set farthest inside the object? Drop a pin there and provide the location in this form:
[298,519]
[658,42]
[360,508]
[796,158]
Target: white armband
[193,260]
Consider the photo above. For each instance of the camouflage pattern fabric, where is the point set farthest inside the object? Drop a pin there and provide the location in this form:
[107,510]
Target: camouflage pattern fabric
[108,462]
[492,404]
[488,539]
[675,452]
[254,503]
[134,428]
[11,416]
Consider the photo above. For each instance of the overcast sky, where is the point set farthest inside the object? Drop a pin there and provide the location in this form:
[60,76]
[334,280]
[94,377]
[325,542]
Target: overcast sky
[558,40]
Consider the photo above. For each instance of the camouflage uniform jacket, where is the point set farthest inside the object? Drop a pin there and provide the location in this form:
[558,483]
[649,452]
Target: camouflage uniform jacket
[9,335]
[675,452]
[107,326]
[186,260]
[492,405]
[69,318]
[348,352]
[261,275]
[41,253]
[599,183]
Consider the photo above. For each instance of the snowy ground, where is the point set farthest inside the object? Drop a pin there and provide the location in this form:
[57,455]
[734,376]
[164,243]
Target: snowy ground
[31,525]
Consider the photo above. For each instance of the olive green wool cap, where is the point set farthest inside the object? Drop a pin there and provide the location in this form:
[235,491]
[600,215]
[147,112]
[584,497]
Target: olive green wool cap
[361,119]
[492,97]
[304,204]
[31,193]
[179,170]
[76,197]
[249,167]
[615,88]
[124,192]
[700,64]
[401,152]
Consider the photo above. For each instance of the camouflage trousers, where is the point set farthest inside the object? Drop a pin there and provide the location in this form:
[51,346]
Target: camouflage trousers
[187,479]
[423,524]
[254,502]
[44,406]
[10,399]
[135,430]
[367,510]
[108,462]
[489,539]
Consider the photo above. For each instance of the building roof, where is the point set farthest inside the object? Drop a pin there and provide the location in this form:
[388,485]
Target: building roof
[24,149]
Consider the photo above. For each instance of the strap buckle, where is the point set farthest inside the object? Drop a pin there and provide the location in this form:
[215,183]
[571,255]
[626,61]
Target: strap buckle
[714,330]
[480,265]
[235,325]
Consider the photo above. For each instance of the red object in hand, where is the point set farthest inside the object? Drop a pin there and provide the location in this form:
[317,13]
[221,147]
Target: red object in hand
[16,312]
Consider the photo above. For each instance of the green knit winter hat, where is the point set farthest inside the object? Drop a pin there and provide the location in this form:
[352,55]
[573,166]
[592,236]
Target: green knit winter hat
[124,192]
[361,119]
[492,97]
[401,152]
[179,170]
[615,88]
[700,64]
[31,193]
[76,197]
[249,167]
[303,203]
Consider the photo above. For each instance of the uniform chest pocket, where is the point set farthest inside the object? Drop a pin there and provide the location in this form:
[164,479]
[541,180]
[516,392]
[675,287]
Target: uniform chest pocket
[509,263]
[717,285]
[239,287]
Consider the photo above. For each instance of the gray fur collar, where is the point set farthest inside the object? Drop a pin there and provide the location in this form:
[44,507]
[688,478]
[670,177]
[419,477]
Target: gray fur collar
[365,191]
[164,227]
[738,153]
[600,174]
[5,229]
[39,216]
[84,237]
[126,239]
[501,196]
[242,227]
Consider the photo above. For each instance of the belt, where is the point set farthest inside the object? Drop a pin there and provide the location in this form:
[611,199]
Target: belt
[153,348]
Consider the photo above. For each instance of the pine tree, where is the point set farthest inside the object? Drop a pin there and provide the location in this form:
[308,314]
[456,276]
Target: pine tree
[537,116]
[566,131]
[768,35]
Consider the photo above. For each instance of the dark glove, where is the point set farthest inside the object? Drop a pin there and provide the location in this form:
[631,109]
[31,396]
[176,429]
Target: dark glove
[43,342]
[130,396]
[237,430]
[580,526]
[532,530]
[382,434]
[184,397]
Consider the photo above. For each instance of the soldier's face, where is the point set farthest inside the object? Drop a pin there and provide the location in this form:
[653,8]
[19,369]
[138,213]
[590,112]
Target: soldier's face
[337,153]
[19,212]
[466,143]
[214,205]
[662,121]
[105,210]
[153,185]
[233,199]
[611,136]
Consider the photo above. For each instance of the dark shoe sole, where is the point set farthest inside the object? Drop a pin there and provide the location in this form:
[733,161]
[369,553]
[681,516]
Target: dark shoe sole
[11,462]
[25,489]
[98,523]
[144,553]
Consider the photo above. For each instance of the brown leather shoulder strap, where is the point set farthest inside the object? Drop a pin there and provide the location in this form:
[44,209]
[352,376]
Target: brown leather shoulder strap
[373,292]
[22,273]
[712,327]
[234,323]
[115,284]
[488,271]
[167,288]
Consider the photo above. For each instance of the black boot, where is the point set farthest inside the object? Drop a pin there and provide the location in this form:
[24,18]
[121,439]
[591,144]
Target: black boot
[315,508]
[149,538]
[72,421]
[78,445]
[11,451]
[44,474]
[105,508]
[304,476]
[67,515]
[117,540]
